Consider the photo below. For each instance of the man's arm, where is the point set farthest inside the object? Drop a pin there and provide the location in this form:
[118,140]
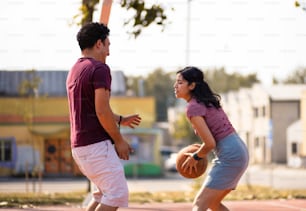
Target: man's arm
[129,120]
[108,121]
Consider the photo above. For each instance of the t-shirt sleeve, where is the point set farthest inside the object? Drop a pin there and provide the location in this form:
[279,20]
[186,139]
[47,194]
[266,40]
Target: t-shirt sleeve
[102,77]
[195,109]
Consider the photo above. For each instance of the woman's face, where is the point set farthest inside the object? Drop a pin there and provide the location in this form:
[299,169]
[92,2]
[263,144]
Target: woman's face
[182,88]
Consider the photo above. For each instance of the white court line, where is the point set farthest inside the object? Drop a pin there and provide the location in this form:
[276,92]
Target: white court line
[287,206]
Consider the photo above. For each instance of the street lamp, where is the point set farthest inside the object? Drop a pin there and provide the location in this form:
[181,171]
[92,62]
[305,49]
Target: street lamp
[188,33]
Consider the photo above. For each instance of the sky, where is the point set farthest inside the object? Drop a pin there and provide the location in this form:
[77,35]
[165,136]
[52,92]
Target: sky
[267,37]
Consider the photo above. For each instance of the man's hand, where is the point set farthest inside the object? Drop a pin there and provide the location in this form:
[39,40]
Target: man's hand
[131,120]
[123,150]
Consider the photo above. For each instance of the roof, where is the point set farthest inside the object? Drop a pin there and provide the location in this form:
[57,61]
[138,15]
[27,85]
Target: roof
[53,82]
[285,92]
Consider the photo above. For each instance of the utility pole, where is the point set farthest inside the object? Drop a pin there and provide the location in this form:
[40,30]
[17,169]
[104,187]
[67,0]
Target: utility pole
[188,33]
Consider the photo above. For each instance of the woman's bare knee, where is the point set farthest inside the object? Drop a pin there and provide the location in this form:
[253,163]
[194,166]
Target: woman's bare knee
[210,199]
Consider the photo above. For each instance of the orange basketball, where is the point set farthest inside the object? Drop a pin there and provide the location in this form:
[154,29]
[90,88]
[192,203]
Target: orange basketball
[181,157]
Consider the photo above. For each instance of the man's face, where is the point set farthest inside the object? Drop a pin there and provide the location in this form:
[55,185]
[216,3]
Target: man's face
[105,47]
[102,49]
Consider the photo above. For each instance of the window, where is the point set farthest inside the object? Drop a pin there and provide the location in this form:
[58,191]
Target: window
[7,152]
[263,111]
[257,143]
[294,148]
[255,110]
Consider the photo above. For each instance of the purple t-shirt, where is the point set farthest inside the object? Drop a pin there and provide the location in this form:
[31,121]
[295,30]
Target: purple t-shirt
[84,77]
[216,119]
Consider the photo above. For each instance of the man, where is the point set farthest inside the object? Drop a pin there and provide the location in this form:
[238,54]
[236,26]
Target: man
[97,145]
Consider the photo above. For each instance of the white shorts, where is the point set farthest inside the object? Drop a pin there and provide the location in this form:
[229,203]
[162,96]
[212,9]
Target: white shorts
[100,163]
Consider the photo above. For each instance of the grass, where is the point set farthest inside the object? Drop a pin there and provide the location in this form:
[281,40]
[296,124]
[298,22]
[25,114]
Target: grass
[22,200]
[35,199]
[242,193]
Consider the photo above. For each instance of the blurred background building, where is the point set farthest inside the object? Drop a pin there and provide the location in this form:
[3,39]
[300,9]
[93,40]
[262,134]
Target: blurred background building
[35,133]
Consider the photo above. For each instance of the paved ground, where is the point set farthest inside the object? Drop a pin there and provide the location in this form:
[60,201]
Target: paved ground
[271,205]
[276,177]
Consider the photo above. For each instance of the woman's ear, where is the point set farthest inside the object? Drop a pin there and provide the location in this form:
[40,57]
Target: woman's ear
[192,86]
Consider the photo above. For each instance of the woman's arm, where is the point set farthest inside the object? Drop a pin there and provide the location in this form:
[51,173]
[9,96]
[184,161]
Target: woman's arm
[200,126]
[202,130]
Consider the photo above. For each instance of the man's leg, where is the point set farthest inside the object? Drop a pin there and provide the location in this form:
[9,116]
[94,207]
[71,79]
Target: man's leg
[92,205]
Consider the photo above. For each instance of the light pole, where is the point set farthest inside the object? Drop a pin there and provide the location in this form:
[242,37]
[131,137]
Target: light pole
[188,33]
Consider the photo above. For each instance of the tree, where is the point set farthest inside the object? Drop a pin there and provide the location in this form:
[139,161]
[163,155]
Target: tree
[297,77]
[29,90]
[135,86]
[222,82]
[144,15]
[160,85]
[183,131]
[29,86]
[157,84]
[298,4]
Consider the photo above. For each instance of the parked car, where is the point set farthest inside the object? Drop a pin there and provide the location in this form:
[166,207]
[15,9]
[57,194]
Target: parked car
[168,154]
[170,163]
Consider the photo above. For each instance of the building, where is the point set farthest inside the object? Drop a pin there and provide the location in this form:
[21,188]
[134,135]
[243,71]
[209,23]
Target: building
[285,103]
[262,115]
[296,135]
[271,120]
[34,129]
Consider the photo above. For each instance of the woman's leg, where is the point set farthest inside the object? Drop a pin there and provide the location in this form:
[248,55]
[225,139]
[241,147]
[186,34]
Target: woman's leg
[103,207]
[209,198]
[217,205]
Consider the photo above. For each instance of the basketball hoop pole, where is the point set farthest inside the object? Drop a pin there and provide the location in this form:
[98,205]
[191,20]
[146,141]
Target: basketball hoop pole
[105,11]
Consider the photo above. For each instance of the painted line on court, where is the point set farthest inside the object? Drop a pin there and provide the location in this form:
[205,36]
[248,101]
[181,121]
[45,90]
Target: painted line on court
[281,205]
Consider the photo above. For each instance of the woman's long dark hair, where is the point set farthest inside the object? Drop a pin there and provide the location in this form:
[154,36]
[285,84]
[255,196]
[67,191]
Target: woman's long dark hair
[201,92]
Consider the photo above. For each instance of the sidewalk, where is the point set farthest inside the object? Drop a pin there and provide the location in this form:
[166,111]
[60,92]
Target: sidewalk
[269,205]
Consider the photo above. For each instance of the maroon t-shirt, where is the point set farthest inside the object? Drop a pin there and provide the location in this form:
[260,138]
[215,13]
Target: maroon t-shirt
[216,119]
[84,77]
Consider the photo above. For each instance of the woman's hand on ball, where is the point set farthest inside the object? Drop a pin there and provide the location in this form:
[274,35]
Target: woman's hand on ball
[190,163]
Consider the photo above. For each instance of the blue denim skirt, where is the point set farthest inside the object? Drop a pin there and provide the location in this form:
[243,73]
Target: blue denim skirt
[231,161]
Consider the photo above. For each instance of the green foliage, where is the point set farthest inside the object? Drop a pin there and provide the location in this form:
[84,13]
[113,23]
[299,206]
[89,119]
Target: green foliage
[133,85]
[250,192]
[29,89]
[30,85]
[183,130]
[160,85]
[297,77]
[86,11]
[34,199]
[300,5]
[222,82]
[144,15]
[27,200]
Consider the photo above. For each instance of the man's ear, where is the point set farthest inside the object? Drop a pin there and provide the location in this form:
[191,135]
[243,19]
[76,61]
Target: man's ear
[99,43]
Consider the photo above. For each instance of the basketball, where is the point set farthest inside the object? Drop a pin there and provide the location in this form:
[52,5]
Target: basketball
[181,157]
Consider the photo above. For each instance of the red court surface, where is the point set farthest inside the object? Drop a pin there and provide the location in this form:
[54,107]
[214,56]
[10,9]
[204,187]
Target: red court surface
[269,205]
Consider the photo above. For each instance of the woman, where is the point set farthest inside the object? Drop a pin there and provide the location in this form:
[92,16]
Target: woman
[211,124]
